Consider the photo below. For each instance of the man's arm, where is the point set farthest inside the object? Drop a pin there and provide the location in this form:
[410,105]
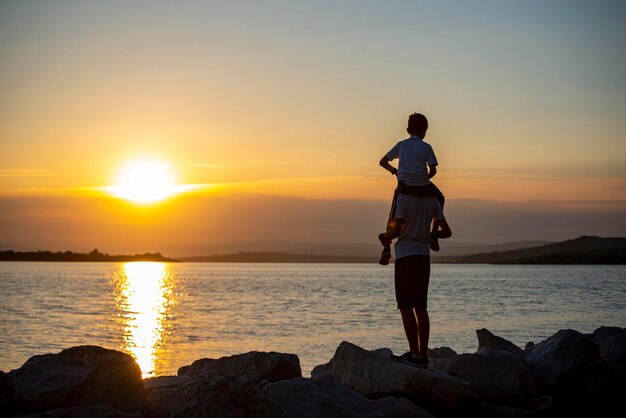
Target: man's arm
[384,163]
[441,228]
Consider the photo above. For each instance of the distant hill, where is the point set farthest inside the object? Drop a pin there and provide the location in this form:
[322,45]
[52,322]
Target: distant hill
[272,257]
[449,248]
[582,250]
[94,255]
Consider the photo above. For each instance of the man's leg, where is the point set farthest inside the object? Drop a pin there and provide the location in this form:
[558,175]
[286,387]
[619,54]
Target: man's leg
[411,330]
[423,332]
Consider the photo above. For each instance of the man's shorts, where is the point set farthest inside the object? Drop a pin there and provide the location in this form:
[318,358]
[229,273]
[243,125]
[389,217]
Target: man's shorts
[412,274]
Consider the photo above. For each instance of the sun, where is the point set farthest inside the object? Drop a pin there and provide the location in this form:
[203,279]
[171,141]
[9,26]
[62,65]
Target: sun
[144,181]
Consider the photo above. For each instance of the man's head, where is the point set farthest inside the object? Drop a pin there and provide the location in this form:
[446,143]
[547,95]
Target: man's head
[418,125]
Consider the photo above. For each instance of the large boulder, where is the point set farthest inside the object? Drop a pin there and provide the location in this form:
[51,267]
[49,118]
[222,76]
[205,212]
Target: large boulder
[79,376]
[558,355]
[254,366]
[84,412]
[6,392]
[489,342]
[311,398]
[601,334]
[594,389]
[213,396]
[374,374]
[612,342]
[493,374]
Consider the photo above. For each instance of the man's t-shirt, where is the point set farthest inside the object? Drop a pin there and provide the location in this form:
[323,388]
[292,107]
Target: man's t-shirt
[418,213]
[414,155]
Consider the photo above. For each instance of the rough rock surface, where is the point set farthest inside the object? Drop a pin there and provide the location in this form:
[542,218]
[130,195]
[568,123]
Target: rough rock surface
[254,366]
[494,374]
[374,374]
[213,396]
[84,412]
[441,352]
[164,382]
[612,342]
[6,391]
[79,376]
[489,342]
[310,398]
[559,354]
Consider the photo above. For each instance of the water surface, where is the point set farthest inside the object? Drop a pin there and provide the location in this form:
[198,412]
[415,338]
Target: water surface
[167,315]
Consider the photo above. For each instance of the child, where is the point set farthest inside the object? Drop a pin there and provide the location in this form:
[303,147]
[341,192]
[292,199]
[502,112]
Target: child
[417,165]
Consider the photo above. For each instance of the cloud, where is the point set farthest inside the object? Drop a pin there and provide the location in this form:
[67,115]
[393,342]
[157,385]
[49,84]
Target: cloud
[25,172]
[83,222]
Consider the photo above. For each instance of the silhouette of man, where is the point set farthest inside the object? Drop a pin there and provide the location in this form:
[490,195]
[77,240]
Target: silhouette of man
[412,220]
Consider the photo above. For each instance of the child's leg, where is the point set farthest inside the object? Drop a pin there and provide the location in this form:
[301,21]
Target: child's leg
[385,256]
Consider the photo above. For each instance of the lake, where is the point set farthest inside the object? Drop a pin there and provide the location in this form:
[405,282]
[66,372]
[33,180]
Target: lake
[167,315]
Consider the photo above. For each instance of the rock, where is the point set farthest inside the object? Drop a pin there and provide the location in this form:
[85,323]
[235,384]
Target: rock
[486,410]
[164,382]
[540,405]
[310,398]
[7,388]
[601,334]
[402,408]
[593,389]
[79,376]
[84,412]
[374,374]
[213,396]
[612,342]
[613,350]
[183,371]
[489,342]
[494,374]
[254,366]
[559,354]
[441,352]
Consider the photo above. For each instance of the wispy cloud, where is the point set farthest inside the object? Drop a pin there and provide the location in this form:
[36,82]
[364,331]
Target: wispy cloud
[25,172]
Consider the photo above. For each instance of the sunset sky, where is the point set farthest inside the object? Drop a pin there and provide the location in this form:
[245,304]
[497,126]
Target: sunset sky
[271,116]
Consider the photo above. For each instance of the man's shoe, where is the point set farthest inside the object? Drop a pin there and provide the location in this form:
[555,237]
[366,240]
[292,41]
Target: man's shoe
[409,359]
[385,256]
[433,242]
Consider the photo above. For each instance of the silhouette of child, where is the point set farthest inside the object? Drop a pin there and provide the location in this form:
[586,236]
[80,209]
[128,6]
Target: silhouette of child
[416,166]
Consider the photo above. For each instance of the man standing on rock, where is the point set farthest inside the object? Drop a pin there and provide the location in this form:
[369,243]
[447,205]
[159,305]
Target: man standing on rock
[413,216]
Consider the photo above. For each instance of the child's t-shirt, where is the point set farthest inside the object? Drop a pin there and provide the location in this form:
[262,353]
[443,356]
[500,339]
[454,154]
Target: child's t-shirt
[414,155]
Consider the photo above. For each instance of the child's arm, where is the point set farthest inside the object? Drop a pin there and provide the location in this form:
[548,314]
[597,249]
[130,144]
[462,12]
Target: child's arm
[384,163]
[432,170]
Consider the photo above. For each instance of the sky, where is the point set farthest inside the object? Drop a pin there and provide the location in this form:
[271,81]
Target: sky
[274,114]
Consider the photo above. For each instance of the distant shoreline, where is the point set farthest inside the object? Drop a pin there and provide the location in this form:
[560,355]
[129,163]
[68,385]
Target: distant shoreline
[69,256]
[584,250]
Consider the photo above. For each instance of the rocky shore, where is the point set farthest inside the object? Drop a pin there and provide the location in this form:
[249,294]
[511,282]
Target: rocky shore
[568,374]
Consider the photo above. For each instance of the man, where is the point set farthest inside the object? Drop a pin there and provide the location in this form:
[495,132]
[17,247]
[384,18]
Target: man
[412,219]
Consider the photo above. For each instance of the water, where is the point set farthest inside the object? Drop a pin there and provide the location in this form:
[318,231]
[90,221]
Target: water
[167,315]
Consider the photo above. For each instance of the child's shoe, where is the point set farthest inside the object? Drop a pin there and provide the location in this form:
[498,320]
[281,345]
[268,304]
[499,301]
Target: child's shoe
[385,256]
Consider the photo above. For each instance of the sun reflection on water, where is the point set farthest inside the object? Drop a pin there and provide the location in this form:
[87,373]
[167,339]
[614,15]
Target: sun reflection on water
[144,296]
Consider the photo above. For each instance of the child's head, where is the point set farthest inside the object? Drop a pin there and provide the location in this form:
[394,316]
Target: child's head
[418,125]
